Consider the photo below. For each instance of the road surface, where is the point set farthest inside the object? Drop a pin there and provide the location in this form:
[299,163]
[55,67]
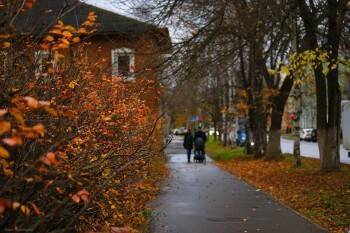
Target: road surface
[310,149]
[201,198]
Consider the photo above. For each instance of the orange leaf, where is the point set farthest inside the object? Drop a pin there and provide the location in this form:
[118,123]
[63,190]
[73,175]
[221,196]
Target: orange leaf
[4,127]
[39,129]
[49,38]
[31,102]
[14,141]
[76,198]
[3,112]
[49,159]
[18,115]
[4,153]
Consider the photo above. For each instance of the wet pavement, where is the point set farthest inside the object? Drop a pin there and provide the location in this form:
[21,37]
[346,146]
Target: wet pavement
[201,198]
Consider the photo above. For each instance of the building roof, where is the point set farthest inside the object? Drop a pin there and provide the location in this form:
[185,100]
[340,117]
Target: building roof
[45,14]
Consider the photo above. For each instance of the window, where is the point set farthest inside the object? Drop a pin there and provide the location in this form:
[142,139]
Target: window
[42,60]
[123,62]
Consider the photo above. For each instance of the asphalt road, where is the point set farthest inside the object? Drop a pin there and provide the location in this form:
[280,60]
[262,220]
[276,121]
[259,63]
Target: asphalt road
[310,149]
[201,198]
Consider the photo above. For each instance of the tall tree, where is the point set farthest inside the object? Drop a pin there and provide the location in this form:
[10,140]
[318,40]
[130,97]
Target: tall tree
[323,22]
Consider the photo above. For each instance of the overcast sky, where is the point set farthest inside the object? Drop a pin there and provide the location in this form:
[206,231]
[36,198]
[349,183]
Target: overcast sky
[111,5]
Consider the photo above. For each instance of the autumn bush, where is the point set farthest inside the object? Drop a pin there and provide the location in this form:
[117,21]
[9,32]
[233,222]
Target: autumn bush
[79,151]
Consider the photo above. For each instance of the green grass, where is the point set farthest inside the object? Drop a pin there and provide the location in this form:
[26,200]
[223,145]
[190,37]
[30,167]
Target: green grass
[221,153]
[289,136]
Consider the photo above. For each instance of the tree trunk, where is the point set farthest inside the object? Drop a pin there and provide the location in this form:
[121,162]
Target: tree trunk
[273,149]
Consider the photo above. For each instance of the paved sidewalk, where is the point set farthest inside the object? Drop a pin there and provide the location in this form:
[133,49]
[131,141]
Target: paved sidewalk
[200,198]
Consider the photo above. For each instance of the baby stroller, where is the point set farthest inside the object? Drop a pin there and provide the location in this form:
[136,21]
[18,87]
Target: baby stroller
[199,155]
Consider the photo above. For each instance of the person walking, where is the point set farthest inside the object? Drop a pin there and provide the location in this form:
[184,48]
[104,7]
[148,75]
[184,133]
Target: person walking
[203,138]
[188,144]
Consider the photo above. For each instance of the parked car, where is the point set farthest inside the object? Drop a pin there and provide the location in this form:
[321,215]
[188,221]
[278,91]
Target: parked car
[180,131]
[306,134]
[212,131]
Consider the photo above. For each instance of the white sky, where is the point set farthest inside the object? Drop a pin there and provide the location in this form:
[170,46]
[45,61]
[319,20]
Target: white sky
[112,5]
[123,7]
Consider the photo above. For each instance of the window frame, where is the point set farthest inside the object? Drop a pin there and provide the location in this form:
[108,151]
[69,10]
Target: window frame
[115,53]
[39,56]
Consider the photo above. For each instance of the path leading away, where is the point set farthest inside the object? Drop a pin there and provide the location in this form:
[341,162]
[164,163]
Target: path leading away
[200,198]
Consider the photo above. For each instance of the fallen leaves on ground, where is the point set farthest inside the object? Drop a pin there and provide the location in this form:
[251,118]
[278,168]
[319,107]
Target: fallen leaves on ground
[322,197]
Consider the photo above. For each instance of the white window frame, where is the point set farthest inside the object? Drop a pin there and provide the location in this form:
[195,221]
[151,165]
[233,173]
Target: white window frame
[39,55]
[123,52]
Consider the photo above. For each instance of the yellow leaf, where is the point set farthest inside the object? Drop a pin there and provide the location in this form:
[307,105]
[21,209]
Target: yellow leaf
[67,34]
[49,38]
[271,71]
[65,41]
[25,210]
[69,28]
[76,39]
[6,45]
[55,31]
[4,153]
[72,84]
[284,71]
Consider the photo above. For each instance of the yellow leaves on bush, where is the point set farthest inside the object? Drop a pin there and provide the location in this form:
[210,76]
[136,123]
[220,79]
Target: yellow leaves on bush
[284,72]
[4,127]
[49,159]
[82,195]
[4,153]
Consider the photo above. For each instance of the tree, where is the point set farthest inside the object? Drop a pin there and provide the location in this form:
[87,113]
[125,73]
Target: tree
[323,22]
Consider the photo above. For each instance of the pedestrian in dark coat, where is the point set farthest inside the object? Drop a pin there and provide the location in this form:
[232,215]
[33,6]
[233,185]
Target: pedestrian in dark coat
[201,134]
[188,144]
